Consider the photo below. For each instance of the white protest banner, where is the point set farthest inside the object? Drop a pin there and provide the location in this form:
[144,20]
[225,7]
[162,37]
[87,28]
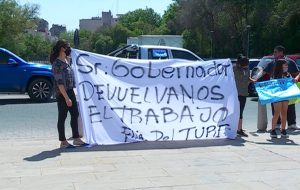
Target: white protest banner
[126,100]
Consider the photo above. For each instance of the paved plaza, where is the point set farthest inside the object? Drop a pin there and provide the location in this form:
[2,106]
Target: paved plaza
[32,160]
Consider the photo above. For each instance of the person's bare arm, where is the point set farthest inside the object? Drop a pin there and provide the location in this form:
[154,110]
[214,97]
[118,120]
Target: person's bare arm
[296,79]
[253,80]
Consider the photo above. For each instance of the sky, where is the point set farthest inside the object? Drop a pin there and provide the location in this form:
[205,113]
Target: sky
[69,12]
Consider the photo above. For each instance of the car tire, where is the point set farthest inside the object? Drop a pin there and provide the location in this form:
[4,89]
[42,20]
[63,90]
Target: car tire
[40,90]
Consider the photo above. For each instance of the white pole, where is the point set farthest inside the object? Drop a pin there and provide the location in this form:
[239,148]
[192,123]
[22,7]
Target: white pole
[262,117]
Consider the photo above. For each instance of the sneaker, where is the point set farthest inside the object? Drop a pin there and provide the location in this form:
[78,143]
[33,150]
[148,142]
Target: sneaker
[284,134]
[294,127]
[273,134]
[79,142]
[241,133]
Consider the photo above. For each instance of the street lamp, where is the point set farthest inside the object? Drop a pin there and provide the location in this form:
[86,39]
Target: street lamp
[248,39]
[211,43]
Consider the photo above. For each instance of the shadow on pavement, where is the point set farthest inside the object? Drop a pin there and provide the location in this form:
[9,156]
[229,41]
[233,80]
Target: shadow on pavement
[293,132]
[22,101]
[277,141]
[146,145]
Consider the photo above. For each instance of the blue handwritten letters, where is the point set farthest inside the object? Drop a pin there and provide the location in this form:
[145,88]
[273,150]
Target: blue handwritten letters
[277,90]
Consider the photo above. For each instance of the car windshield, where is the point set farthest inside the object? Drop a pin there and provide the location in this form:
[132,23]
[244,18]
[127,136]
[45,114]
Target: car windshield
[264,62]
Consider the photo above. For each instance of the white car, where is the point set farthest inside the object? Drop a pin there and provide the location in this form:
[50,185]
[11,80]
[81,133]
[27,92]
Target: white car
[154,52]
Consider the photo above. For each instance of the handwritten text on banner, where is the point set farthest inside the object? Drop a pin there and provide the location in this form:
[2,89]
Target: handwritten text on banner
[126,100]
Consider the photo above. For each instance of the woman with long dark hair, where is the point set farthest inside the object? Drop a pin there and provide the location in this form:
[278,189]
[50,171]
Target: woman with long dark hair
[281,107]
[65,96]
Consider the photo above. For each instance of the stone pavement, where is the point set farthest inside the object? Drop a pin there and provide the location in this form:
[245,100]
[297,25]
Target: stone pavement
[256,162]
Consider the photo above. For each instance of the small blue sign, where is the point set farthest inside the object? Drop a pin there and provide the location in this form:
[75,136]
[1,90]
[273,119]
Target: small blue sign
[277,90]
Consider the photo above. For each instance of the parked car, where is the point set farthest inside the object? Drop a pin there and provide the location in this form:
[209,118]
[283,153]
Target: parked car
[20,76]
[296,58]
[154,52]
[252,62]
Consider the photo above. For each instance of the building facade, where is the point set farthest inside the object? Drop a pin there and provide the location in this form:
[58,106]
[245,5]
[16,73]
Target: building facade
[97,23]
[56,29]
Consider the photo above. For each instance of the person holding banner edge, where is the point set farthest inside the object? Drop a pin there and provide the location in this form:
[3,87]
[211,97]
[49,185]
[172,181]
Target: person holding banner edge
[279,53]
[281,107]
[242,74]
[65,96]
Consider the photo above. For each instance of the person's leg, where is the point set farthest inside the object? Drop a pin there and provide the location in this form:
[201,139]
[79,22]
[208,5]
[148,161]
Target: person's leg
[283,114]
[242,100]
[277,110]
[62,115]
[74,114]
[279,119]
[74,120]
[240,125]
[291,115]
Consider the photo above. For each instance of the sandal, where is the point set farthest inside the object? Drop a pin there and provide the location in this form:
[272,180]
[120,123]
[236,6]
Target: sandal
[79,142]
[66,146]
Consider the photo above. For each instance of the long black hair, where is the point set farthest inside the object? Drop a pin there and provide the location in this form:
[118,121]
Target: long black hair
[278,70]
[56,49]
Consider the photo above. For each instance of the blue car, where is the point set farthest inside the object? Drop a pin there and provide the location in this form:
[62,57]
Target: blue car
[19,76]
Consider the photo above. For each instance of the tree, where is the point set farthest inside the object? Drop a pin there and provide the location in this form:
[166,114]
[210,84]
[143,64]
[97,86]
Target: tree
[287,24]
[14,20]
[36,48]
[169,20]
[104,44]
[68,36]
[118,34]
[141,21]
[85,40]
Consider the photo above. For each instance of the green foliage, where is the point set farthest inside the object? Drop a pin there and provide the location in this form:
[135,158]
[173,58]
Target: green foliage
[14,21]
[118,34]
[68,36]
[189,41]
[141,21]
[169,23]
[217,27]
[104,44]
[272,22]
[37,48]
[85,38]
